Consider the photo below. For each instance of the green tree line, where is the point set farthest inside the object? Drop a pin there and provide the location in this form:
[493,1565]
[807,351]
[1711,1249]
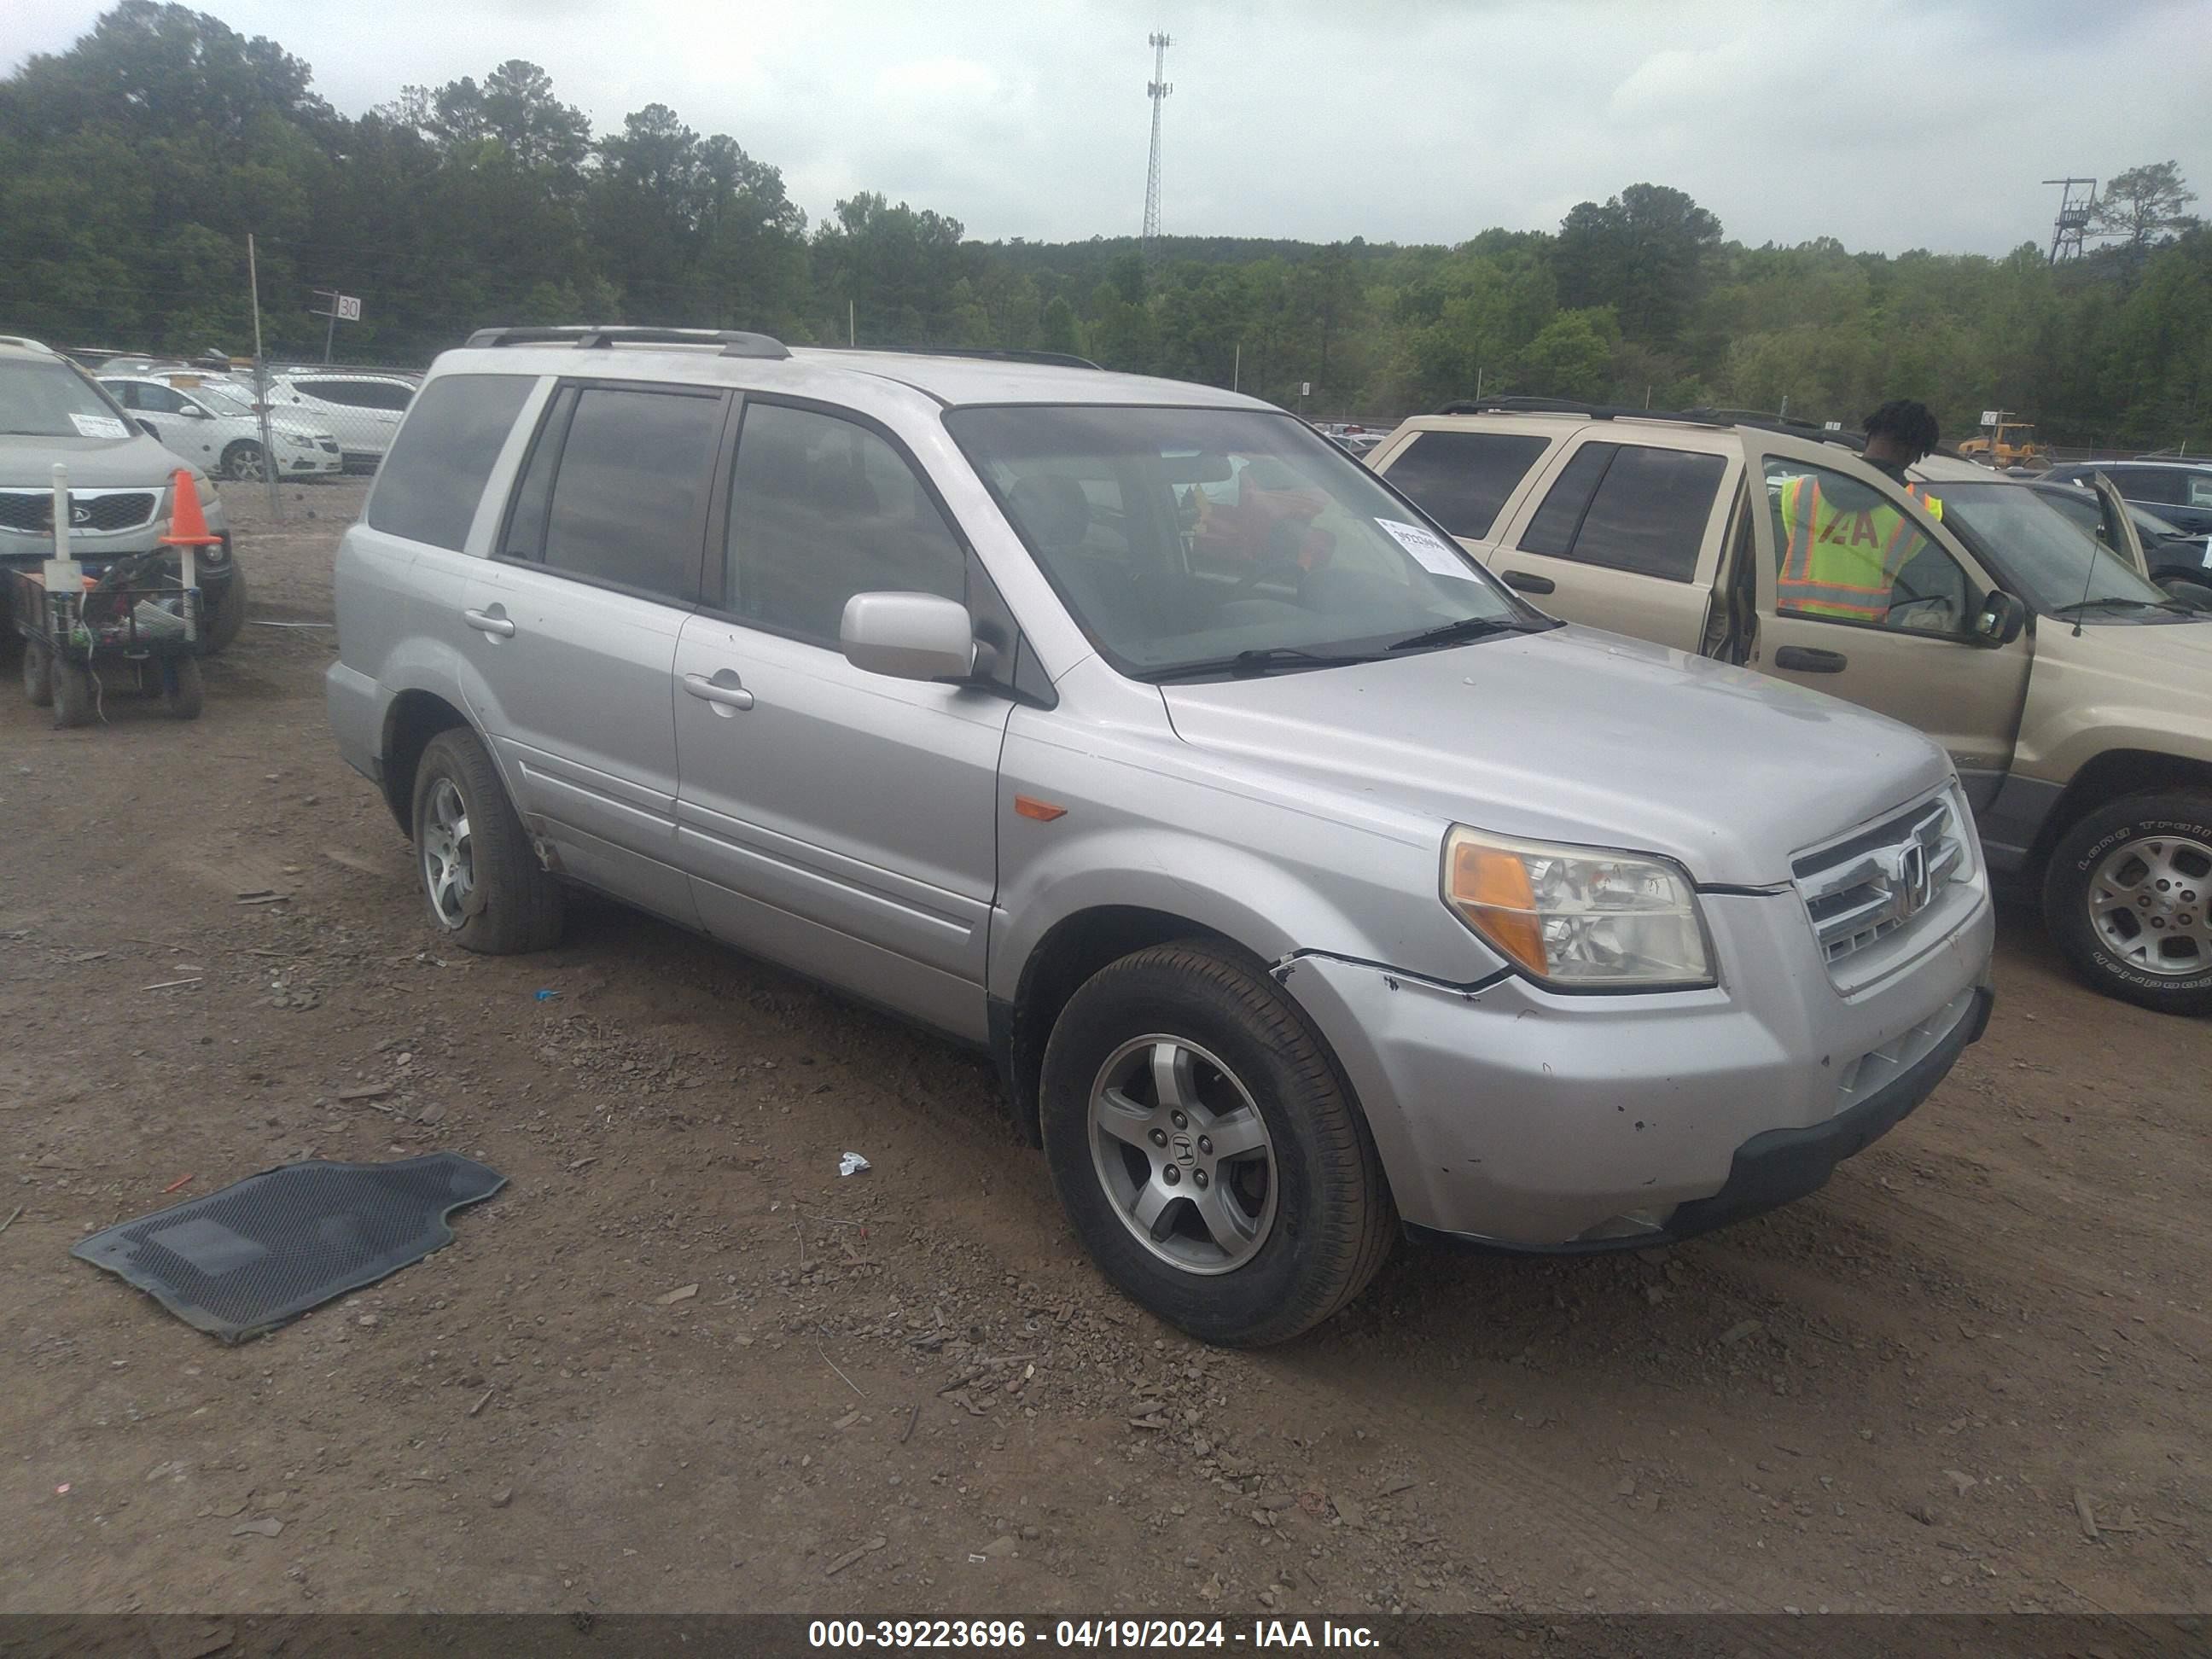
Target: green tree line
[133,165]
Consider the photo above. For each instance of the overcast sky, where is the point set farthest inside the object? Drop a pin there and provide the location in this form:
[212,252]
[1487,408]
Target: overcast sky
[1889,125]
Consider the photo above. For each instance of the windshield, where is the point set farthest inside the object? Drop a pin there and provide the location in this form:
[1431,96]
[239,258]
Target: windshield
[2052,560]
[47,400]
[223,397]
[1182,538]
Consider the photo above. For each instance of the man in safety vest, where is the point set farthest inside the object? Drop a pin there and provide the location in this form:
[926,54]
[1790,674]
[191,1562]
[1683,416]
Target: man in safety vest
[1842,548]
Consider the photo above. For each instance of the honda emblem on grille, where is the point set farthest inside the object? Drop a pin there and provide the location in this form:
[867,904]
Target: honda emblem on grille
[1908,880]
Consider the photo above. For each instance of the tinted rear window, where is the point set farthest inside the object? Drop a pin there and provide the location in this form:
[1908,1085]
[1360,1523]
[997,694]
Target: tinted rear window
[2150,484]
[630,501]
[1649,513]
[434,476]
[1551,531]
[1463,479]
[1629,506]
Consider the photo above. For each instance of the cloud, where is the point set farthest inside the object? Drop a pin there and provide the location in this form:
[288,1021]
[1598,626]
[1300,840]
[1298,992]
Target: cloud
[1889,124]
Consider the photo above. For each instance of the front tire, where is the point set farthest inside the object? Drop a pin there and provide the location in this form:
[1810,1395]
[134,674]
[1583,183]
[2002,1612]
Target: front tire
[245,460]
[2128,898]
[229,615]
[1210,1159]
[483,884]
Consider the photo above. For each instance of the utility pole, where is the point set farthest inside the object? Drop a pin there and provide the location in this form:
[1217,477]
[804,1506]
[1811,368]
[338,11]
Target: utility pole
[1157,89]
[261,387]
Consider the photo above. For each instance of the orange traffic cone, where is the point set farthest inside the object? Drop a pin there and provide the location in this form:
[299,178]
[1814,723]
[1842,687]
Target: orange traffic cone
[187,523]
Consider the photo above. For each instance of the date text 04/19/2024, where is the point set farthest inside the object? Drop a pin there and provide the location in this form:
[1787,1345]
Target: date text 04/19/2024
[901,1635]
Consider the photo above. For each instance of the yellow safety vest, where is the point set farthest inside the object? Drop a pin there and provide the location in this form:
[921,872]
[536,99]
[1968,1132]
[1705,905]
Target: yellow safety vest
[1843,562]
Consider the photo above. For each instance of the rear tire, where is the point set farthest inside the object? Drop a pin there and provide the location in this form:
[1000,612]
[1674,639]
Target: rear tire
[73,703]
[39,673]
[481,881]
[1295,1182]
[2126,897]
[184,690]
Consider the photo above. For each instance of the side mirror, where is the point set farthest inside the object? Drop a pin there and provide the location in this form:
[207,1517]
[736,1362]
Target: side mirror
[2002,619]
[150,430]
[908,636]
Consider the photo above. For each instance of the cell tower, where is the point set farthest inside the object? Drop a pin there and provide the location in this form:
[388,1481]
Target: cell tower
[1157,89]
[2073,220]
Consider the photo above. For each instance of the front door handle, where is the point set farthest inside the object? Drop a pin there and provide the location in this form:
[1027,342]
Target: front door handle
[486,622]
[1527,583]
[1810,660]
[724,690]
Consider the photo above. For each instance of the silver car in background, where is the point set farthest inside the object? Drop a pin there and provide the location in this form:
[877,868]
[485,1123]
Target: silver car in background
[1304,882]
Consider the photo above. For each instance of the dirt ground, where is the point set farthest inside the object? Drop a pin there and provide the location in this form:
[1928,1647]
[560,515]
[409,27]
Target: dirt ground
[906,1391]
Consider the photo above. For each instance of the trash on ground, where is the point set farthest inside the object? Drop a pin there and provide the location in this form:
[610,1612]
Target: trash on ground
[262,1251]
[178,1184]
[852,1164]
[544,996]
[681,1293]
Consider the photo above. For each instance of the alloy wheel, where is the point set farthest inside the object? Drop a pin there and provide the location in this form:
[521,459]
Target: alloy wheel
[448,859]
[1181,1150]
[2149,902]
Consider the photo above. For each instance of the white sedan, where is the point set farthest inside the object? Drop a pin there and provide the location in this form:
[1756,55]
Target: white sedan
[213,422]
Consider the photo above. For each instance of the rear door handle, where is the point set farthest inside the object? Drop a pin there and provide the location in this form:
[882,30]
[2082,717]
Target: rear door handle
[723,690]
[1810,659]
[1529,583]
[485,623]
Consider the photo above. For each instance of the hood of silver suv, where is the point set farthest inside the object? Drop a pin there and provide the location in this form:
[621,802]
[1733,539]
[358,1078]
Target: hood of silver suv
[26,463]
[1575,735]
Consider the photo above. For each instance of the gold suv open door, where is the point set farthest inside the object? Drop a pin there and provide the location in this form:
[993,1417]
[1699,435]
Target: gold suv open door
[1862,594]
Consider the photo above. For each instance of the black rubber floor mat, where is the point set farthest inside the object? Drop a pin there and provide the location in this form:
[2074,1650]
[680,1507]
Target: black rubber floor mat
[265,1249]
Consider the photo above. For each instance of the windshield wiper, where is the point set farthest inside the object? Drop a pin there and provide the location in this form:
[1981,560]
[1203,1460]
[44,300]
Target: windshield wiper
[1466,628]
[2126,602]
[1246,663]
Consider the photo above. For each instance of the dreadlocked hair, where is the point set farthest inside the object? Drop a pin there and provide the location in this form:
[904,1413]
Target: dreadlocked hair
[1907,421]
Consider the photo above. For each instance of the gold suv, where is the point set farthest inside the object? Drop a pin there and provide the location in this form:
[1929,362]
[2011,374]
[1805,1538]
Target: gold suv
[2074,695]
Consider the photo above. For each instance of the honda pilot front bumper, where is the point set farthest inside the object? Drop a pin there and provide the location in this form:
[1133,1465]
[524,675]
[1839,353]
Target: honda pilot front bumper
[1517,1118]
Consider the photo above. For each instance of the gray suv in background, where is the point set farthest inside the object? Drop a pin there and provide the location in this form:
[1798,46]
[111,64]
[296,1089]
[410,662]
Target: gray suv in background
[1302,880]
[120,482]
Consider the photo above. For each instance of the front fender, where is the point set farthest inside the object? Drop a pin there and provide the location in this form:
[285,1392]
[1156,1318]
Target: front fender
[1146,833]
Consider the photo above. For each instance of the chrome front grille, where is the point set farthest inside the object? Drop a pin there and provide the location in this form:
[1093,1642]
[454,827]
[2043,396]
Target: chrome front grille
[98,511]
[1862,889]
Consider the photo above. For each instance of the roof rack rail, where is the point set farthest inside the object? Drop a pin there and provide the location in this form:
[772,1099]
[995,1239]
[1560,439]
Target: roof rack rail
[1782,423]
[586,337]
[1569,406]
[995,354]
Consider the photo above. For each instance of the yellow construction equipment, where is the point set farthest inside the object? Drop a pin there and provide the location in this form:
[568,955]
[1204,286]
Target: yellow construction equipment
[2006,440]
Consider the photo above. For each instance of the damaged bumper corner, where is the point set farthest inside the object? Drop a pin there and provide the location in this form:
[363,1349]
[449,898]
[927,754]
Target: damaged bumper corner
[1514,1118]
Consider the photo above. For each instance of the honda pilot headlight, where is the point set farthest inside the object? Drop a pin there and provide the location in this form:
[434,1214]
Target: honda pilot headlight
[1579,918]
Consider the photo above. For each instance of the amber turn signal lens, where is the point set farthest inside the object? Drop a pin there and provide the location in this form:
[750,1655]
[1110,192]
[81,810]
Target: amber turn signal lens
[1490,887]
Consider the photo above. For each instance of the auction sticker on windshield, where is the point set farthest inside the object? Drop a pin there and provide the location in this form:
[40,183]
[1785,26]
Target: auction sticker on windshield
[97,426]
[1431,554]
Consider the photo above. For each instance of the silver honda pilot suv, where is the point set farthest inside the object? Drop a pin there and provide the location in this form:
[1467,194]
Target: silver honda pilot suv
[1305,882]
